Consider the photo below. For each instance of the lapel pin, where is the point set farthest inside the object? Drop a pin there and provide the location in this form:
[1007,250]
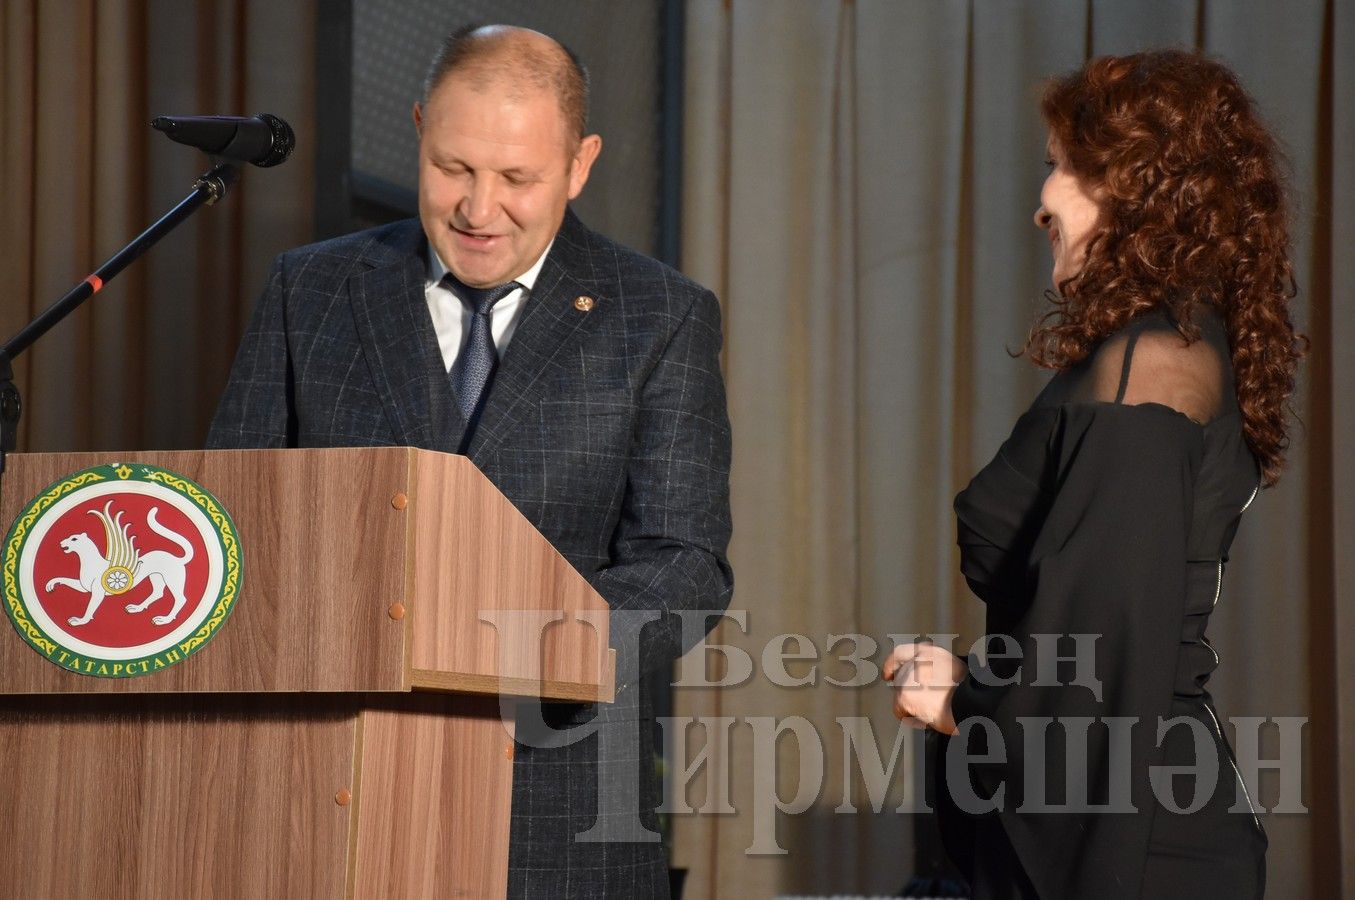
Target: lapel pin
[583,304]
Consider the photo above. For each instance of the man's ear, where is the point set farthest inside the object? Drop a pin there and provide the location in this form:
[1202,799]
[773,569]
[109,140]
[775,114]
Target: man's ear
[582,163]
[418,119]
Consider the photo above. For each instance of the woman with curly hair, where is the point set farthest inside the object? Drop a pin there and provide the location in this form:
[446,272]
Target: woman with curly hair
[1098,536]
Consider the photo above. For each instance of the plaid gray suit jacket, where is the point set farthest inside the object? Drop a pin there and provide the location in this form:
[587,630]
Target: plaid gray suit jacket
[607,428]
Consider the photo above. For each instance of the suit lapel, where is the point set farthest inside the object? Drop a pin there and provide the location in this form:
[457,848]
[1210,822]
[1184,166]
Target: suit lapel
[550,326]
[389,307]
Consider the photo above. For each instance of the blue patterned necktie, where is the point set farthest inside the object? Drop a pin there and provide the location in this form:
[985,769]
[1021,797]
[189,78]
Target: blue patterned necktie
[474,368]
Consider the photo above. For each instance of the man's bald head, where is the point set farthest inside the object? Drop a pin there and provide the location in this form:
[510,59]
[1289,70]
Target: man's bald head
[507,55]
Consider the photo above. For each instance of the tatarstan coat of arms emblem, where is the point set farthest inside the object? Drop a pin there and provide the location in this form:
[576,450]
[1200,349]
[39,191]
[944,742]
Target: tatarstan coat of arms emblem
[121,570]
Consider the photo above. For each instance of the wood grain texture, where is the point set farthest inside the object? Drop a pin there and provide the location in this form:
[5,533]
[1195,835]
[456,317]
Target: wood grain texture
[324,557]
[476,558]
[159,796]
[181,792]
[579,692]
[490,604]
[435,796]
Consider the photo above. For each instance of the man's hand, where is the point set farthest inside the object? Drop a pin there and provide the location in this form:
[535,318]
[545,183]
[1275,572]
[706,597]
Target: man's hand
[924,677]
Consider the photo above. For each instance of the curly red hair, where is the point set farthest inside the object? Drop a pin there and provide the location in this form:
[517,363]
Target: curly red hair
[1193,213]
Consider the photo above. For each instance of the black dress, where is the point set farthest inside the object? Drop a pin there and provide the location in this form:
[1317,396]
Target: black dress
[1107,513]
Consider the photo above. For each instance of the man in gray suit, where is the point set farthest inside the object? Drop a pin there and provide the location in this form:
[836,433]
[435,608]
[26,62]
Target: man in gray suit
[580,376]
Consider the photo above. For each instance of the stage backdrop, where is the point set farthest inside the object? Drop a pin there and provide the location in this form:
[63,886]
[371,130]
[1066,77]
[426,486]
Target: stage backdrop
[860,183]
[81,173]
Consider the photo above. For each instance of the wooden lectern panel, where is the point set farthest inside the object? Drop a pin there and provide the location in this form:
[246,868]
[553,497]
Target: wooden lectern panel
[476,557]
[140,796]
[287,757]
[324,559]
[365,569]
[146,796]
[433,798]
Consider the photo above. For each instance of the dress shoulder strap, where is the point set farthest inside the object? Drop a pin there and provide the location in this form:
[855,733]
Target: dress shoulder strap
[1125,365]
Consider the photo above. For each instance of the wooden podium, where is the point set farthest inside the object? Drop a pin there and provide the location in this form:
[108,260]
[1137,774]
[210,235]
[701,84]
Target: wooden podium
[341,734]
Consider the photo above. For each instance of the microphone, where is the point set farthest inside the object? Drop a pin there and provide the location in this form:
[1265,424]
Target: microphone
[261,140]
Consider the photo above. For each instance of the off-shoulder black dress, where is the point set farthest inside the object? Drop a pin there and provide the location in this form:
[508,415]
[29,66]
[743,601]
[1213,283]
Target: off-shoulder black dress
[1105,513]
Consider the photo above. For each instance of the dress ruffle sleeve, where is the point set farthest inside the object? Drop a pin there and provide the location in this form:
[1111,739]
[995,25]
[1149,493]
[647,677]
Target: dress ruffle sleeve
[1081,532]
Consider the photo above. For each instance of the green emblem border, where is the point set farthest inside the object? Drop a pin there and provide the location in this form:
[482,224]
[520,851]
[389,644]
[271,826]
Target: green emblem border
[232,556]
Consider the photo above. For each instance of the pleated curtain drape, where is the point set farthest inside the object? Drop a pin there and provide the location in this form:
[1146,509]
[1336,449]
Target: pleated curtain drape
[860,179]
[82,173]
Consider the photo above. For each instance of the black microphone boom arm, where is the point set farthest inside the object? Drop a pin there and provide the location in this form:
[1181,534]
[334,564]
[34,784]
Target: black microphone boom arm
[207,189]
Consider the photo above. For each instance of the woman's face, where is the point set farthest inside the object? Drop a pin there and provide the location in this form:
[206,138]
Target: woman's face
[1069,212]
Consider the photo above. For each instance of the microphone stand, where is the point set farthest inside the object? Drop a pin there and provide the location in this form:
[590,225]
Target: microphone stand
[207,189]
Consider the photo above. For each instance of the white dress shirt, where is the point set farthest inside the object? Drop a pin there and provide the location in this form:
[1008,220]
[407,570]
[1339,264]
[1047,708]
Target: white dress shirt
[451,315]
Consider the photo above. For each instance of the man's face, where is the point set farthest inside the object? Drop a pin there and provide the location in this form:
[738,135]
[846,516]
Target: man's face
[496,169]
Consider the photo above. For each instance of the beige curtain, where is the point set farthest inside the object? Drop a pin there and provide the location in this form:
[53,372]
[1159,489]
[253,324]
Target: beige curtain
[859,184]
[859,181]
[81,173]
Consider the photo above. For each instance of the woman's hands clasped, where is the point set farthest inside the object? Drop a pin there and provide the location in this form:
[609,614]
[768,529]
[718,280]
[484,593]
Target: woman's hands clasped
[924,677]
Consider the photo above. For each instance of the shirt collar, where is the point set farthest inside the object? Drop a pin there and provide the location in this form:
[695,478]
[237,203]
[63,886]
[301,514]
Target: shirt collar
[437,268]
